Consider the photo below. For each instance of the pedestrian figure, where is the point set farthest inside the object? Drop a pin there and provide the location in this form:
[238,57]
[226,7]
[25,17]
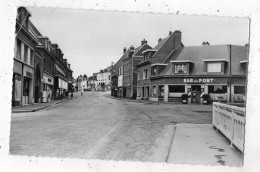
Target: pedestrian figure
[81,92]
[71,95]
[66,94]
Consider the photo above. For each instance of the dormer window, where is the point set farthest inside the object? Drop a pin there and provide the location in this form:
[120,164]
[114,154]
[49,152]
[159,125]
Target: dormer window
[157,68]
[214,65]
[181,66]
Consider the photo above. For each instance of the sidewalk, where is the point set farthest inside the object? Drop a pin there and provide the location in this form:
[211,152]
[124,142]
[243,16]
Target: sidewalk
[35,107]
[201,144]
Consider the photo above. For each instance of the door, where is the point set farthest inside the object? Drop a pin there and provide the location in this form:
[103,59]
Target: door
[195,93]
[26,90]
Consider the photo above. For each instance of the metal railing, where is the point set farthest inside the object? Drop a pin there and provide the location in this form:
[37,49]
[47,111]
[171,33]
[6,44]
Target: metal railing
[230,120]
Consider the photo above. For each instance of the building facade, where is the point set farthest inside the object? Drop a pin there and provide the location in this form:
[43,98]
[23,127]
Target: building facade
[23,68]
[104,79]
[217,70]
[35,65]
[117,76]
[134,57]
[157,55]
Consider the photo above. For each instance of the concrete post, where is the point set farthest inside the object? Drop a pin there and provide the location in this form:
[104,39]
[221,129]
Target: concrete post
[166,93]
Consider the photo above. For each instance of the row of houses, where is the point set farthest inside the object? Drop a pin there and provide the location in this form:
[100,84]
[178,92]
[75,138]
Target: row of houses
[40,72]
[98,81]
[169,70]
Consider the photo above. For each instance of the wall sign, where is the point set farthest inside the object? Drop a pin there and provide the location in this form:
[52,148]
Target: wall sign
[198,80]
[29,74]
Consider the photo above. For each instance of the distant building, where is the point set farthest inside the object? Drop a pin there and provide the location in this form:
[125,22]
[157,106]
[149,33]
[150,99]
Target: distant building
[104,79]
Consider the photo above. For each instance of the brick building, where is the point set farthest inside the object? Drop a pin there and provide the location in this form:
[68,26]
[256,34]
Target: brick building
[134,57]
[155,57]
[217,70]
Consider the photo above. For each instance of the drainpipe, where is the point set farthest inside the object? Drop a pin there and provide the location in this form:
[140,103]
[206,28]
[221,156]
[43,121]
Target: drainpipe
[230,53]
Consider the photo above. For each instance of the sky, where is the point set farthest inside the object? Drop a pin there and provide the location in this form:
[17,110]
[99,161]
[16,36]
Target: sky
[91,40]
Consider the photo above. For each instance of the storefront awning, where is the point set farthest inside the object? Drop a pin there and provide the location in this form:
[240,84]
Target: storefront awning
[59,70]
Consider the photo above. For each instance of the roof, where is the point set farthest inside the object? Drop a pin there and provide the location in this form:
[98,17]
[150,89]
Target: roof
[120,61]
[200,54]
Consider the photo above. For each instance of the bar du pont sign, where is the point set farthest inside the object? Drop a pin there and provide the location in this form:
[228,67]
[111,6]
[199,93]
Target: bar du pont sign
[198,80]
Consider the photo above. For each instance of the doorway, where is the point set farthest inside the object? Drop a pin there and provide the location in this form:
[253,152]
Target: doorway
[26,90]
[195,93]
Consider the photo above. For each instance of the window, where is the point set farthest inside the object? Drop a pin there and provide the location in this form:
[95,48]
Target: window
[154,90]
[145,57]
[239,90]
[214,67]
[154,71]
[31,57]
[177,88]
[25,54]
[44,67]
[138,75]
[218,89]
[18,49]
[145,74]
[180,68]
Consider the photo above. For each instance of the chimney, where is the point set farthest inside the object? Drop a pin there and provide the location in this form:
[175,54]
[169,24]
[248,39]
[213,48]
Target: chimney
[205,43]
[61,55]
[112,63]
[124,50]
[132,47]
[68,65]
[65,61]
[55,47]
[159,40]
[177,39]
[131,51]
[170,32]
[143,42]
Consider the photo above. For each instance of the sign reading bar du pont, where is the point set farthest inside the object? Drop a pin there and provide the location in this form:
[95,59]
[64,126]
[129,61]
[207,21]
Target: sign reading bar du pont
[198,80]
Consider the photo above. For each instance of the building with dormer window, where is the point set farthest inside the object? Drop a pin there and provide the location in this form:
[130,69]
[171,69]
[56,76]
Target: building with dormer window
[217,70]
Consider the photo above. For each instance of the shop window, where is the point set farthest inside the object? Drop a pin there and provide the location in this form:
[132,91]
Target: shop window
[214,67]
[161,91]
[177,88]
[25,54]
[218,89]
[239,90]
[18,49]
[180,68]
[154,90]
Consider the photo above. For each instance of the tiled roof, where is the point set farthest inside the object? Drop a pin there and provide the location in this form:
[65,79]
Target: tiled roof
[159,45]
[199,53]
[120,61]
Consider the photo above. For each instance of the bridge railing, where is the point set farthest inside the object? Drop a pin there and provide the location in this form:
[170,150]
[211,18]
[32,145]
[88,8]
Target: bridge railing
[230,120]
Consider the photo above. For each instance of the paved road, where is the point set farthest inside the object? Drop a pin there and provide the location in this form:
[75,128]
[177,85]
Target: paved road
[96,127]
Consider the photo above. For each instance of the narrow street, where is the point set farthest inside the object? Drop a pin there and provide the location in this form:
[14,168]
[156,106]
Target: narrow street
[94,126]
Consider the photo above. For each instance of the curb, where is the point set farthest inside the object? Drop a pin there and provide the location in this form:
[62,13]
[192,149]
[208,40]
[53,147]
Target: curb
[37,109]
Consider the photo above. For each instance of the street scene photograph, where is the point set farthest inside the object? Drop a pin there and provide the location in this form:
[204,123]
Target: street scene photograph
[122,86]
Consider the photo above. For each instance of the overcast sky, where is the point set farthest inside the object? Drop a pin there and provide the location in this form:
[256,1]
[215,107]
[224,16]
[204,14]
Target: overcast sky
[91,40]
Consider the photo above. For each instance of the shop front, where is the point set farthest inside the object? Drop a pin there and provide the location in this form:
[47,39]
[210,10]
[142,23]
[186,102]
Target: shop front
[60,89]
[17,84]
[221,89]
[27,92]
[47,87]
